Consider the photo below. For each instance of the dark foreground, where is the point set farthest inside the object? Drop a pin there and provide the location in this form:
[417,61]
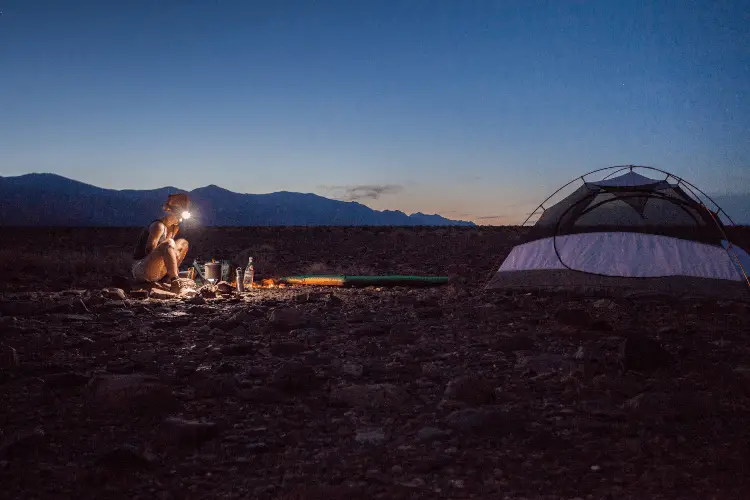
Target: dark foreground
[448,392]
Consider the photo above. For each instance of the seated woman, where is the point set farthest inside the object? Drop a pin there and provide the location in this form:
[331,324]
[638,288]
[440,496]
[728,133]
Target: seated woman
[157,254]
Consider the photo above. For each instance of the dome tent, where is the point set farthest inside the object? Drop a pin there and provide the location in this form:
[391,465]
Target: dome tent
[628,231]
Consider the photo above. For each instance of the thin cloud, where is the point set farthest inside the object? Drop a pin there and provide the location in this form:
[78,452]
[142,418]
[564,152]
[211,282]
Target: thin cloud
[489,217]
[361,192]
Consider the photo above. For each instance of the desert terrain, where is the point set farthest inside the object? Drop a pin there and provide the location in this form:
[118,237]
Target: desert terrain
[358,393]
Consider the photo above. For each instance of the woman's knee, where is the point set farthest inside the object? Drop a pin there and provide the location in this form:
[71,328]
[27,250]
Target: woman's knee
[181,244]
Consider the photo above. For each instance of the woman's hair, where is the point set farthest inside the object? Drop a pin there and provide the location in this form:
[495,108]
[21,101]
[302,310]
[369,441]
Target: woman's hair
[177,203]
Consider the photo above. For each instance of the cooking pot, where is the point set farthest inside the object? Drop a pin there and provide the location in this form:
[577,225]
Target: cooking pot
[212,271]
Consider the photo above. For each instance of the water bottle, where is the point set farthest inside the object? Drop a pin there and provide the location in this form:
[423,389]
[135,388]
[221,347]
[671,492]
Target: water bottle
[238,278]
[249,276]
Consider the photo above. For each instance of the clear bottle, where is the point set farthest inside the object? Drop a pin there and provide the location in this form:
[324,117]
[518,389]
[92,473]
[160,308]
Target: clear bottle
[249,275]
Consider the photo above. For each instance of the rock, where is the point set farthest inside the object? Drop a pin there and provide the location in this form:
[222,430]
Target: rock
[429,313]
[211,386]
[224,287]
[601,325]
[575,316]
[486,420]
[21,308]
[239,349]
[642,354]
[9,359]
[287,348]
[604,304]
[125,457]
[132,392]
[515,343]
[370,396]
[198,300]
[370,330]
[190,432]
[431,434]
[286,318]
[469,389]
[352,369]
[114,293]
[742,379]
[295,377]
[65,380]
[260,395]
[432,370]
[257,447]
[159,294]
[681,404]
[370,436]
[667,330]
[139,294]
[121,366]
[544,364]
[21,444]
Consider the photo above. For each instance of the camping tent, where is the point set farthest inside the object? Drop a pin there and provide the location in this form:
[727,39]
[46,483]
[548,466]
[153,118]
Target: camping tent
[628,231]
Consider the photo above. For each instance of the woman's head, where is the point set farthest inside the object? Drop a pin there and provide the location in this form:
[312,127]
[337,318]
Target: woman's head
[177,203]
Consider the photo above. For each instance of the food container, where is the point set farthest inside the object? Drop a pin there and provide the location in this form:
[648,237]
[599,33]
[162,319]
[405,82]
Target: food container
[212,271]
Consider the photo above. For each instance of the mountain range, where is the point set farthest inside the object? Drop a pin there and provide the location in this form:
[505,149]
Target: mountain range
[53,200]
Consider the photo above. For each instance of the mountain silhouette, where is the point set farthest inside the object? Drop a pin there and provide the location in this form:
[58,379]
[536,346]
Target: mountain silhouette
[53,200]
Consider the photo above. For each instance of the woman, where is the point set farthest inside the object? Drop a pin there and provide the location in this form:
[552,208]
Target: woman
[157,253]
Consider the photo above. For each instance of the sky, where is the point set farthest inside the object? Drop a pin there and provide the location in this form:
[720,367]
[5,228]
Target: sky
[476,110]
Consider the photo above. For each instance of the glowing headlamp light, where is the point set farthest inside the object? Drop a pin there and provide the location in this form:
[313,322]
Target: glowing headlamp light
[185,215]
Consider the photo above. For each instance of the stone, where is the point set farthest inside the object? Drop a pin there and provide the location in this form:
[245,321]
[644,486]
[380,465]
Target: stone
[22,444]
[604,304]
[370,330]
[294,377]
[287,348]
[431,434]
[643,354]
[485,420]
[544,364]
[574,316]
[515,343]
[429,313]
[139,294]
[21,308]
[239,349]
[114,293]
[159,294]
[191,432]
[370,436]
[65,380]
[370,396]
[132,392]
[286,318]
[9,359]
[469,389]
[126,457]
[352,369]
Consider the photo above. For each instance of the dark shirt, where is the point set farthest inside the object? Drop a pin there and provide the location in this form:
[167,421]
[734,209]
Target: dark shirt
[140,251]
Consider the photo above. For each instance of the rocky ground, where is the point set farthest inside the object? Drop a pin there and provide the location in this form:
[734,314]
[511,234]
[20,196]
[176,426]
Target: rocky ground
[313,393]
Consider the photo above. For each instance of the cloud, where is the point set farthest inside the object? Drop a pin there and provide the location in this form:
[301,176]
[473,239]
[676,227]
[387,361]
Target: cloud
[492,217]
[361,192]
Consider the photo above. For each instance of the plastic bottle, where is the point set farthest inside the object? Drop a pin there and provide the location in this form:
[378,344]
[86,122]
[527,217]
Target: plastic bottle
[249,276]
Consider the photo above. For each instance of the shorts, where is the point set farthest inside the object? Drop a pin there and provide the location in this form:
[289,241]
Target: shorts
[138,269]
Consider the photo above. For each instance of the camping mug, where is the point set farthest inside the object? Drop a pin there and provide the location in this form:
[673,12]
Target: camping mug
[213,271]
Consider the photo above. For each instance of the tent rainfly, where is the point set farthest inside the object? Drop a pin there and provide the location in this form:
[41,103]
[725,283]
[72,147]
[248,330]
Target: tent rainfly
[628,232]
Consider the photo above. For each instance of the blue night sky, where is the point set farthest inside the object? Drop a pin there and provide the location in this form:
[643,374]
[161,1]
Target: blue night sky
[471,109]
